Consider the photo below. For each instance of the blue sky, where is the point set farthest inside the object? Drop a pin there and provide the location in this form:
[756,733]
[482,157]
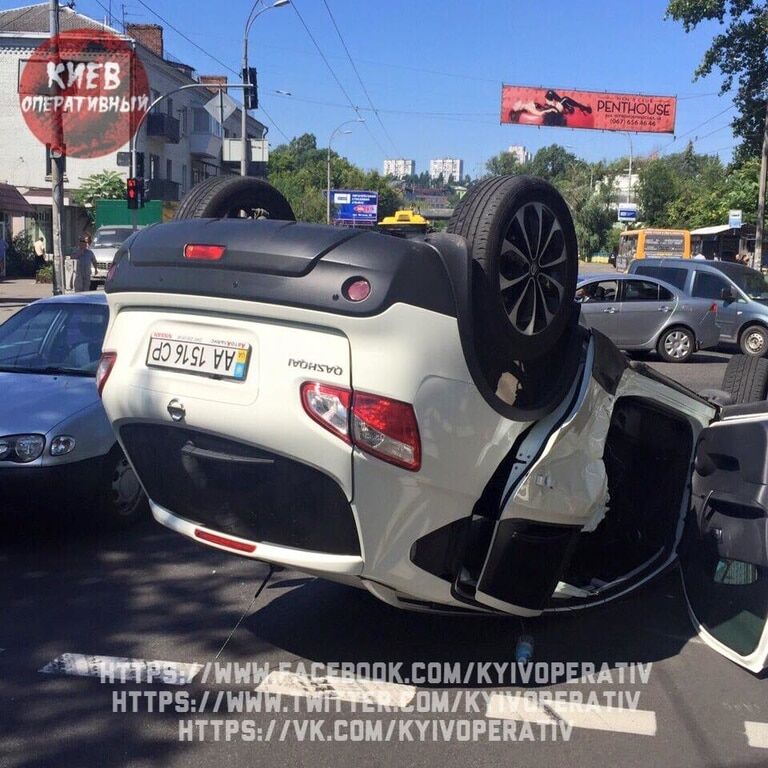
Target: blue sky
[450,57]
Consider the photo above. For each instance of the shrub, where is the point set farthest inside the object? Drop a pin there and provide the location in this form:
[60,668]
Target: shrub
[44,274]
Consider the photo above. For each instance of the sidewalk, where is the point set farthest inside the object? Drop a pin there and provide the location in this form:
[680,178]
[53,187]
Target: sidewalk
[16,293]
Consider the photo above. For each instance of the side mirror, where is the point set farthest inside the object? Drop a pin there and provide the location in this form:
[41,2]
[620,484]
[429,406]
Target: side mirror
[727,294]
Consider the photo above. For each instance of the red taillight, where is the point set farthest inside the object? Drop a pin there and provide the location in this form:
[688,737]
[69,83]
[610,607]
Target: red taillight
[387,429]
[379,426]
[199,252]
[106,363]
[328,406]
[224,541]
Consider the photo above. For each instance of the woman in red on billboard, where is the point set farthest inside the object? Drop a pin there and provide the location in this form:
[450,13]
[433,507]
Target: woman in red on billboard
[556,110]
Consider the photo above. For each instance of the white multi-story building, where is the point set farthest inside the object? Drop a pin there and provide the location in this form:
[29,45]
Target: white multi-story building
[180,142]
[399,168]
[521,153]
[447,167]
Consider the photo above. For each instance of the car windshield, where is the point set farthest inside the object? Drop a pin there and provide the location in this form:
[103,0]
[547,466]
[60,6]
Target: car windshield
[752,283]
[110,238]
[54,338]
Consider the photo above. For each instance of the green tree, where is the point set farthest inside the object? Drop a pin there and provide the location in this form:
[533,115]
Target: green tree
[740,52]
[298,169]
[503,164]
[107,185]
[657,188]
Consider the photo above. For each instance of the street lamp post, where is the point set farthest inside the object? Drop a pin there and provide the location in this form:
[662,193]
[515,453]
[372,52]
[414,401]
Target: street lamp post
[328,166]
[244,154]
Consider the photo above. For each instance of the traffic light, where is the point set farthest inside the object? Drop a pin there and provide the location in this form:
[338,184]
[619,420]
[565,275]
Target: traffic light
[251,95]
[134,193]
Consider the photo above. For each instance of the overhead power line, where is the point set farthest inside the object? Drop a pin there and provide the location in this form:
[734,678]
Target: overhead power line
[210,56]
[696,127]
[352,104]
[359,78]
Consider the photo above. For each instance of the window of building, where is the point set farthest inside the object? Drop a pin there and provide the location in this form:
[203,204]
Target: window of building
[169,170]
[183,178]
[154,166]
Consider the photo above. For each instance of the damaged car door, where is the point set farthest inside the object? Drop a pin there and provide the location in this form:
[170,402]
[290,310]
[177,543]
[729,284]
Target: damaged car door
[724,553]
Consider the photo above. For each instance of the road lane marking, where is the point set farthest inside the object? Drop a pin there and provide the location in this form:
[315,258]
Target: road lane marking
[757,734]
[119,669]
[616,719]
[356,690]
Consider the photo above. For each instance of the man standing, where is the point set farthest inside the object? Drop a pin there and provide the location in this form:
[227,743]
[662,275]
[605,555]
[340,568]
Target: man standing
[85,261]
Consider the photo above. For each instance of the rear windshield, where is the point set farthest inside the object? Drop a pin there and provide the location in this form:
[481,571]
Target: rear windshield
[674,275]
[111,238]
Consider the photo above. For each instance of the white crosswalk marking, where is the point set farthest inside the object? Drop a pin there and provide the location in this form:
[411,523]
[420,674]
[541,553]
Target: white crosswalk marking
[121,669]
[615,719]
[357,690]
[757,734]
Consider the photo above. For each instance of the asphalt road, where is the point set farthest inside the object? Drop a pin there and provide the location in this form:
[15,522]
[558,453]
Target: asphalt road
[149,594]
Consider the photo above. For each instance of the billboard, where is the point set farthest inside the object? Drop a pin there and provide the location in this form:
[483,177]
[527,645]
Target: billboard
[354,207]
[566,108]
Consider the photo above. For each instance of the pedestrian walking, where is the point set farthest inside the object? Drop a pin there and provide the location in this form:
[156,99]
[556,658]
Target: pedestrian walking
[85,262]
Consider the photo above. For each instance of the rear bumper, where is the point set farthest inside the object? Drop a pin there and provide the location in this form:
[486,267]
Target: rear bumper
[300,559]
[235,490]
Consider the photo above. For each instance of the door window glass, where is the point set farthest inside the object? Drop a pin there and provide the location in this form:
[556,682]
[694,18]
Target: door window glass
[708,286]
[598,293]
[673,275]
[640,290]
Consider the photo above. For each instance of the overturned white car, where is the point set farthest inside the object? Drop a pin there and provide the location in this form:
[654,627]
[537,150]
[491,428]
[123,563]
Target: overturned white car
[426,418]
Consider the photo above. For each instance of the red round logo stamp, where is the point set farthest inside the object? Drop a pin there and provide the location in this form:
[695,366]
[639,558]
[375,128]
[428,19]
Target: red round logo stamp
[83,92]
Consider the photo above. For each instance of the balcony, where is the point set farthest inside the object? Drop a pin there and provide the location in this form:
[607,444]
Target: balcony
[204,145]
[162,126]
[259,155]
[163,189]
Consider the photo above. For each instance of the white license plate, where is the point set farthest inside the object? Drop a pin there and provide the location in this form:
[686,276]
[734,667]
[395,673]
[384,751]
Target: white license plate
[223,358]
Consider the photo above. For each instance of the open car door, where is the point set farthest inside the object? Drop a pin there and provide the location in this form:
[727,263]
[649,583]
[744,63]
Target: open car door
[724,552]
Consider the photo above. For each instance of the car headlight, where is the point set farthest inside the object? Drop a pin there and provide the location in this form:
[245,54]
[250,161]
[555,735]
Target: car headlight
[61,445]
[21,448]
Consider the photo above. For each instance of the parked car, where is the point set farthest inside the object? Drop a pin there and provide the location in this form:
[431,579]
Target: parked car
[57,449]
[429,419]
[106,241]
[741,294]
[648,314]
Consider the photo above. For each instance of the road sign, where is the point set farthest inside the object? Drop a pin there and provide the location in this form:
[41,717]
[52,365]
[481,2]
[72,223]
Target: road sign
[355,207]
[734,219]
[627,211]
[220,107]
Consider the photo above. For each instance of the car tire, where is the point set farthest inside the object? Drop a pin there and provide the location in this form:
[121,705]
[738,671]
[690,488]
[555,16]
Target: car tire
[121,501]
[676,345]
[520,232]
[746,379]
[753,341]
[234,197]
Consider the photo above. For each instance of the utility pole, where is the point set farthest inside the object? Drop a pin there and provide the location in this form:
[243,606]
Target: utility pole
[758,258]
[56,153]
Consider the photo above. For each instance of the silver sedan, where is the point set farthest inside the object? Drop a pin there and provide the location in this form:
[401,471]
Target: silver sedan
[57,450]
[647,314]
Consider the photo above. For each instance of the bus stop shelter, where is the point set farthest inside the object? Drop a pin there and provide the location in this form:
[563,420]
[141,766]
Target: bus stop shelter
[727,243]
